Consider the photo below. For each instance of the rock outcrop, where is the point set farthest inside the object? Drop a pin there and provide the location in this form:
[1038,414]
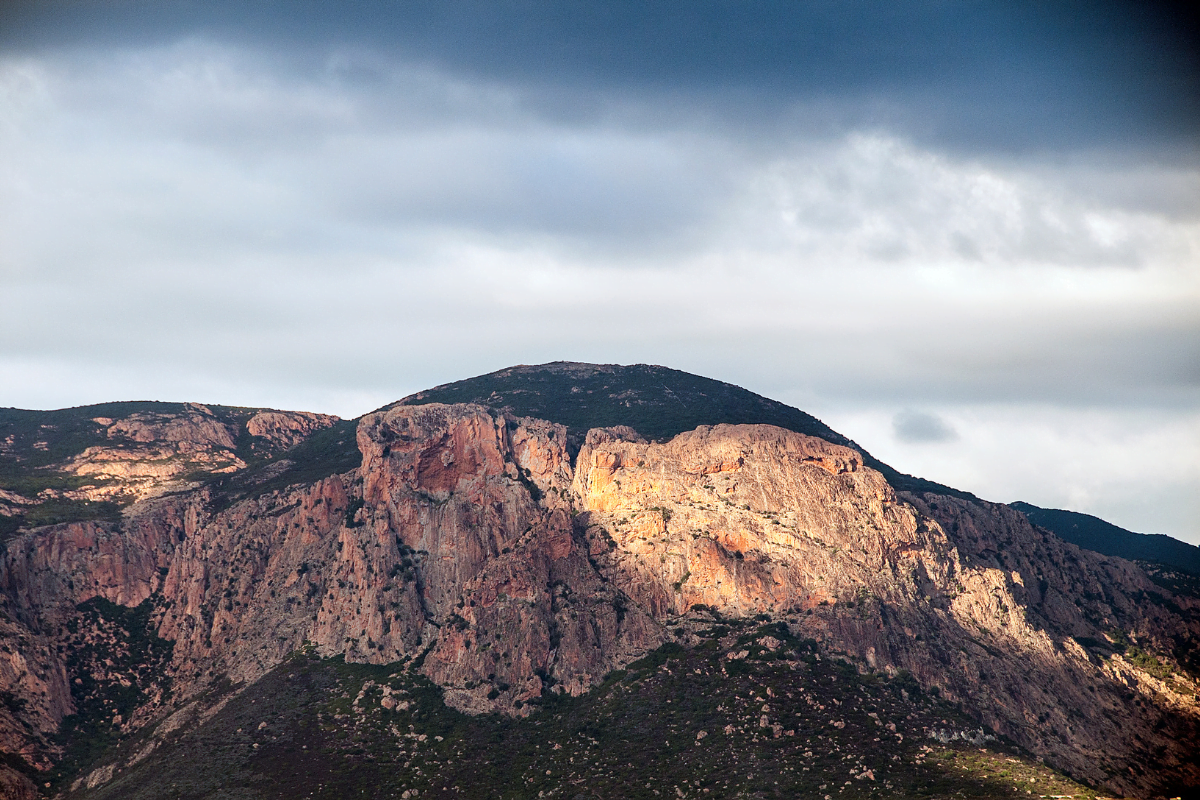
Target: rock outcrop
[1014,623]
[750,519]
[468,542]
[484,503]
[122,459]
[286,429]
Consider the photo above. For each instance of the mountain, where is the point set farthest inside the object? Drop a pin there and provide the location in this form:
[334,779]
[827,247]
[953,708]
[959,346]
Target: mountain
[636,594]
[1104,537]
[657,402]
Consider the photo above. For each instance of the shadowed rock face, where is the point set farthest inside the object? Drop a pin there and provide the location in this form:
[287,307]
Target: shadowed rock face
[15,786]
[1030,620]
[286,429]
[511,597]
[468,537]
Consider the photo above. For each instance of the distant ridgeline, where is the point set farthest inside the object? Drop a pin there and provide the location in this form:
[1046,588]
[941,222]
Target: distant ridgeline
[657,402]
[1104,537]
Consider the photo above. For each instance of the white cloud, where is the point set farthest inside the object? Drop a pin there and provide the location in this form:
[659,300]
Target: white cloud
[872,198]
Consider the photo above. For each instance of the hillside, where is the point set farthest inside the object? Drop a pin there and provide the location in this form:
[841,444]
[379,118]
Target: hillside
[684,721]
[90,462]
[1104,537]
[288,605]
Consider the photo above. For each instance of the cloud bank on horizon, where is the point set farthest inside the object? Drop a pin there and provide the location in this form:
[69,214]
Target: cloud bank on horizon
[966,235]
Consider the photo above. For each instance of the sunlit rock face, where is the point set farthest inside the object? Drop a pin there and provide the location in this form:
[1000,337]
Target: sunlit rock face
[287,429]
[472,542]
[966,595]
[149,454]
[750,519]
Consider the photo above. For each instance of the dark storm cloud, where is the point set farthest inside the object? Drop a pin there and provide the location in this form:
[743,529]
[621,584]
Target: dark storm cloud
[994,75]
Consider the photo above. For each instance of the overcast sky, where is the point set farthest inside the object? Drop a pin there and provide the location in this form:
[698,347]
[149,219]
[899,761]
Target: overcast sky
[967,235]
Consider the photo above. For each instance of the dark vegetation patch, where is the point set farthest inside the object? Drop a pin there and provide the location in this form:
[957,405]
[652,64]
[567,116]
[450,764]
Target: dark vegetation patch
[657,402]
[351,511]
[326,729]
[327,452]
[115,664]
[1148,662]
[1173,580]
[19,765]
[9,526]
[60,510]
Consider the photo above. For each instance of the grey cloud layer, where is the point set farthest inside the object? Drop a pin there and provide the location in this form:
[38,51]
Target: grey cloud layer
[202,171]
[921,426]
[1009,74]
[331,216]
[223,133]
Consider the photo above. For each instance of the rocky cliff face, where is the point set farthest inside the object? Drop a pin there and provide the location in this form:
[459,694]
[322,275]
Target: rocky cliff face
[468,542]
[1019,626]
[749,519]
[484,502]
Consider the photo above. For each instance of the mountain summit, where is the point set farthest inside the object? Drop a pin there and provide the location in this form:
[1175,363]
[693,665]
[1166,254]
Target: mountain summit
[657,402]
[494,587]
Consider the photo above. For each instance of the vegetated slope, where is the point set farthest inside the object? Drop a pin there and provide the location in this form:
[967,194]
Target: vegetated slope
[33,439]
[88,463]
[1104,537]
[657,402]
[728,708]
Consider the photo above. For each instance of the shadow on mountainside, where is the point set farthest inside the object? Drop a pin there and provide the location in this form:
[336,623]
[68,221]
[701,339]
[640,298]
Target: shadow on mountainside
[685,720]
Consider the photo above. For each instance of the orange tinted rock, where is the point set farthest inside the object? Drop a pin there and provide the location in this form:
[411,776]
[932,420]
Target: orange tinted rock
[287,428]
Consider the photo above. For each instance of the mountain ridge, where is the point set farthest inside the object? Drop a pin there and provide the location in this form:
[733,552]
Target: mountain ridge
[658,402]
[336,449]
[513,562]
[1104,537]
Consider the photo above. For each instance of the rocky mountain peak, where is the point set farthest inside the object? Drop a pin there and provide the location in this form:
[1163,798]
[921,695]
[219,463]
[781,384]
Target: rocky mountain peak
[512,562]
